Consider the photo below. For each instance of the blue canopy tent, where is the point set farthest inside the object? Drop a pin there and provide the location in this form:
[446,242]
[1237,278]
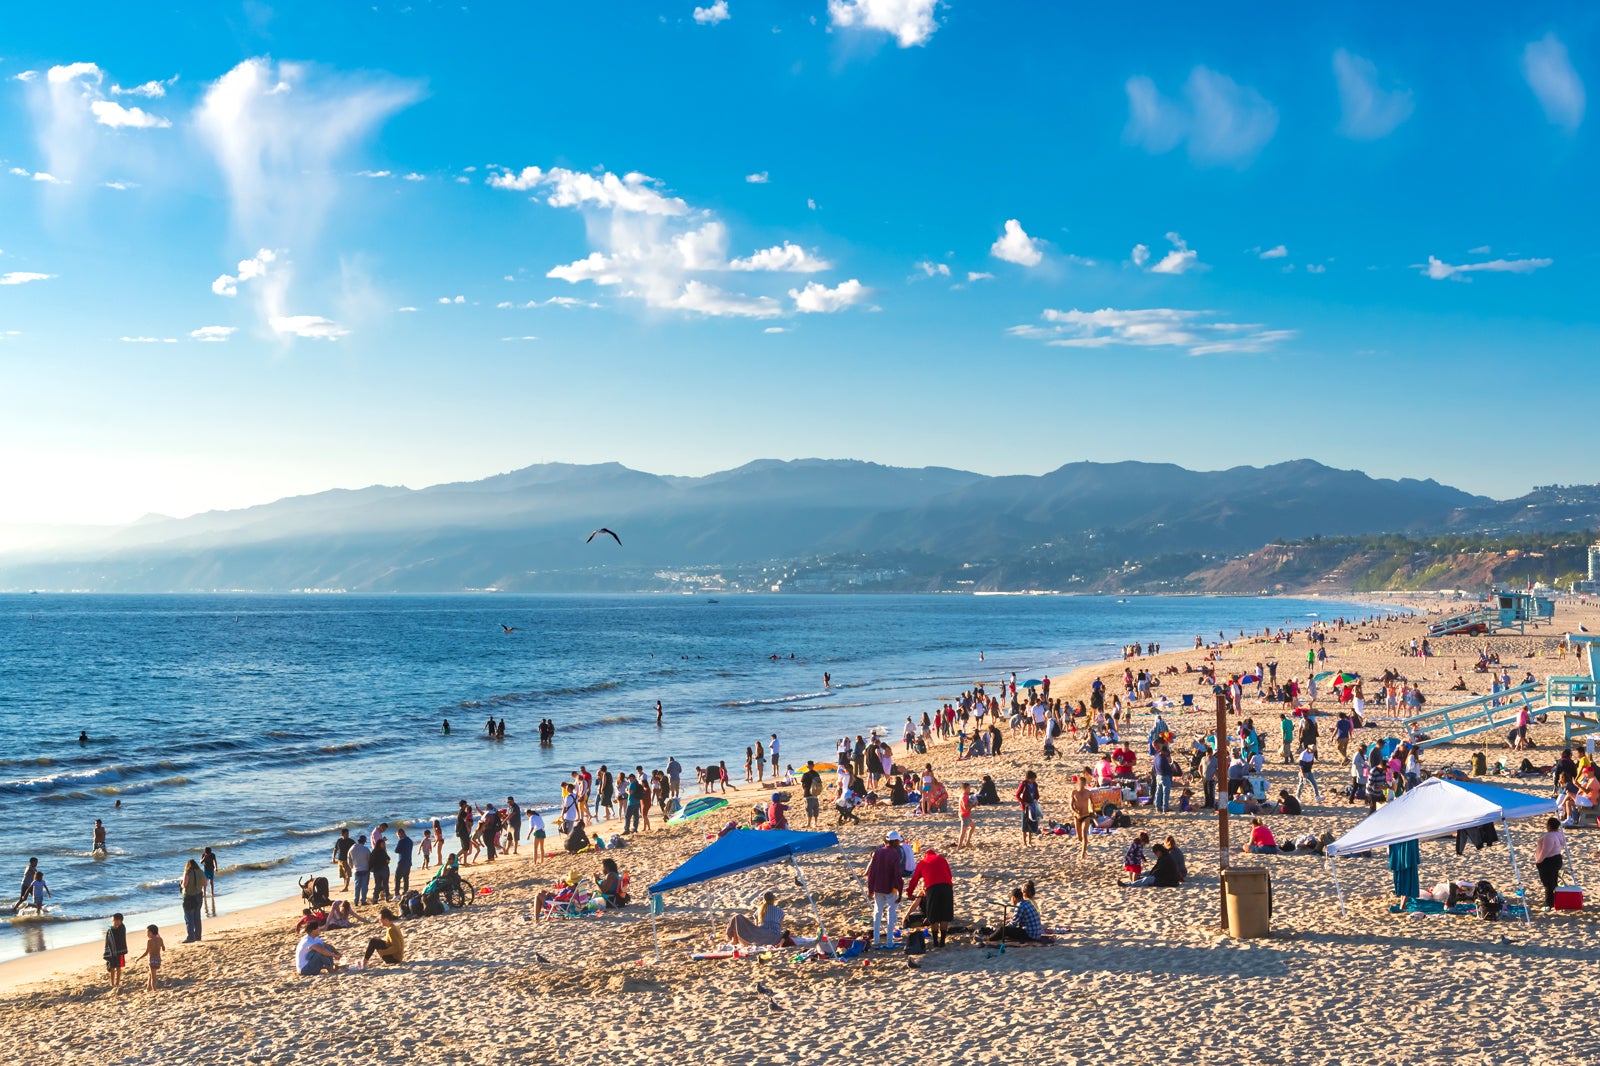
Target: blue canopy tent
[741,850]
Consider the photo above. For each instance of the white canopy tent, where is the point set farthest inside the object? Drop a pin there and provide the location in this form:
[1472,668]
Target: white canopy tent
[1439,808]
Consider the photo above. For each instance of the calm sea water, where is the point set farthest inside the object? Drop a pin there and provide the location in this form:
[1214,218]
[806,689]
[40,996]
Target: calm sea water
[259,724]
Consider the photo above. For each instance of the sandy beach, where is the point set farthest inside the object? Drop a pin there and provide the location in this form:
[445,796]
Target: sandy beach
[1135,975]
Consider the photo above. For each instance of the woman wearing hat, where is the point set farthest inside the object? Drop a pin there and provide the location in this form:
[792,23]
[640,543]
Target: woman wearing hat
[561,892]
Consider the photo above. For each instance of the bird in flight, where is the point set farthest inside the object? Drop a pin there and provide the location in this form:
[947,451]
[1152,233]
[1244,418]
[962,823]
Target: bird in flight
[608,533]
[508,629]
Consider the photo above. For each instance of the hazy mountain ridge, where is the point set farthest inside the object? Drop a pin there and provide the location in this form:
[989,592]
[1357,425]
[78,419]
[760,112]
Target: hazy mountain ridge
[524,529]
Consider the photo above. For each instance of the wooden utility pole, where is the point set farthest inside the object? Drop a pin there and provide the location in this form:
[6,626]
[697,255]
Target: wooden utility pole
[1221,697]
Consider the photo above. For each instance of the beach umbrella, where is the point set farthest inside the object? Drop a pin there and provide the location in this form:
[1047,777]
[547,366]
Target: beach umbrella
[1250,679]
[1032,683]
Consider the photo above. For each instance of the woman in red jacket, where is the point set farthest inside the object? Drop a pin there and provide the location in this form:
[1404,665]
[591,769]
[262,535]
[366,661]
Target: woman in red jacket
[938,893]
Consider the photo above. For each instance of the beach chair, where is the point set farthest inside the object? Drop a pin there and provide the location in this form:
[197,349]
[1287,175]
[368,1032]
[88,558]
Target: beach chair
[584,900]
[1188,701]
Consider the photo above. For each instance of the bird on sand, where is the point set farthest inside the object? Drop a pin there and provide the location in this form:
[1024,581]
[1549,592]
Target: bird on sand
[608,533]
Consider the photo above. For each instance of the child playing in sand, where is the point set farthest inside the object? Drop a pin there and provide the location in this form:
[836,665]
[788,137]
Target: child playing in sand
[1133,858]
[153,946]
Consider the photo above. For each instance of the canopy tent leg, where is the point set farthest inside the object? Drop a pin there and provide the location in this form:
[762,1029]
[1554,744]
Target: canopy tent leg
[1516,872]
[806,885]
[657,905]
[1334,866]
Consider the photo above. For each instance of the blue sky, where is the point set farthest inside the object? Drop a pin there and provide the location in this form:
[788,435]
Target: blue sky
[255,250]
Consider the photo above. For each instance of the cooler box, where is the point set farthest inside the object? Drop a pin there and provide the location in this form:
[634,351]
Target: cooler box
[1569,899]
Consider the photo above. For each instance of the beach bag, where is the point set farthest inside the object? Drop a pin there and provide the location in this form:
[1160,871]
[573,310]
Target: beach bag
[432,905]
[917,942]
[411,904]
[1480,764]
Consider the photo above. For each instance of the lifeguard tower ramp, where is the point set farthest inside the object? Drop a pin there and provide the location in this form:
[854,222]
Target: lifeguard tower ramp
[1478,715]
[1574,697]
[1504,613]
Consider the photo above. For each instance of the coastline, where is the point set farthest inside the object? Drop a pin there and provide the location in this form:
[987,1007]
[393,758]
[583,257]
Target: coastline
[234,994]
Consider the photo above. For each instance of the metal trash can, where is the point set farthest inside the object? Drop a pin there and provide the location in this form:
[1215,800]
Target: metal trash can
[1249,895]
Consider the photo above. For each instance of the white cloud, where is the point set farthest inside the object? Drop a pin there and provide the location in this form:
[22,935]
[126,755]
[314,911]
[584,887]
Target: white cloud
[1159,327]
[1220,120]
[414,176]
[213,334]
[979,275]
[70,72]
[311,327]
[1316,268]
[789,258]
[1180,260]
[1550,75]
[652,246]
[811,205]
[1140,255]
[42,177]
[149,340]
[374,174]
[930,269]
[1482,249]
[710,16]
[758,178]
[452,300]
[777,329]
[705,299]
[120,186]
[632,192]
[22,277]
[519,338]
[26,76]
[554,301]
[910,22]
[249,269]
[1277,251]
[1368,110]
[112,114]
[1015,246]
[405,309]
[150,90]
[1440,271]
[818,298]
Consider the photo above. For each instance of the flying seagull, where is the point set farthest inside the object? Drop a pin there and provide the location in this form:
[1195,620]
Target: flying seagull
[508,629]
[608,533]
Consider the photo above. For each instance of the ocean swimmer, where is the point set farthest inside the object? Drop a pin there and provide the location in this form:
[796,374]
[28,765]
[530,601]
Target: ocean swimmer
[99,838]
[83,738]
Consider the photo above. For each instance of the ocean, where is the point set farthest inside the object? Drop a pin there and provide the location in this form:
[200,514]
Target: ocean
[258,725]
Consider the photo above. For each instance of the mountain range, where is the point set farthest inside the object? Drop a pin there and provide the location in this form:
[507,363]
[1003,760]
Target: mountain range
[762,524]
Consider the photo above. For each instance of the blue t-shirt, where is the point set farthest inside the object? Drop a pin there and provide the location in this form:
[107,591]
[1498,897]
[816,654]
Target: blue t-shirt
[402,850]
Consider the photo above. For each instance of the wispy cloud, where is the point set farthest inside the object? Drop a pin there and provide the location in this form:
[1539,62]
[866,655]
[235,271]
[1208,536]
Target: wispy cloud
[1197,332]
[909,22]
[23,277]
[309,327]
[112,114]
[777,329]
[979,275]
[149,340]
[715,13]
[452,300]
[213,334]
[787,257]
[1015,246]
[1221,121]
[1439,270]
[1550,75]
[1277,251]
[68,106]
[42,177]
[758,178]
[929,269]
[150,90]
[1368,111]
[554,301]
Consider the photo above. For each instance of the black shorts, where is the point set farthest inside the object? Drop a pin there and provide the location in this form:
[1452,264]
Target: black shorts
[940,904]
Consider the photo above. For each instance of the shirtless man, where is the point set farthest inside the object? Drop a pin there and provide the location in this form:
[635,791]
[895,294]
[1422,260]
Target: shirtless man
[1082,811]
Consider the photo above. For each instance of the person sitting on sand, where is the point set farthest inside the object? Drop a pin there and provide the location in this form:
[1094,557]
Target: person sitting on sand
[1287,804]
[577,840]
[314,955]
[391,946]
[1025,927]
[1261,839]
[765,931]
[1164,874]
[1178,860]
[341,916]
[777,813]
[611,884]
[563,891]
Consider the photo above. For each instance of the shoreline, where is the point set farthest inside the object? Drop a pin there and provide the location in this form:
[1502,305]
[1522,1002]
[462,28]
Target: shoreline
[31,968]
